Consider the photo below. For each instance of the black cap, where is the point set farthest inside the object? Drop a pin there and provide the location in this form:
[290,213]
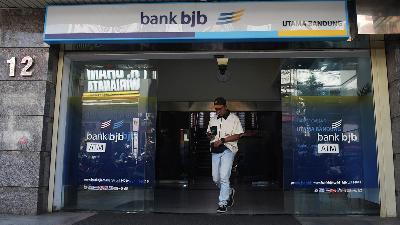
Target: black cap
[220,101]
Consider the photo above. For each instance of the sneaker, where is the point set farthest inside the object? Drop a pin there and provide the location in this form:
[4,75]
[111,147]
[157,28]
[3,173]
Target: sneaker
[222,209]
[231,199]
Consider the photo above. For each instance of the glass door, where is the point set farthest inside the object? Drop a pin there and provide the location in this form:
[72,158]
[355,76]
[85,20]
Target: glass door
[110,135]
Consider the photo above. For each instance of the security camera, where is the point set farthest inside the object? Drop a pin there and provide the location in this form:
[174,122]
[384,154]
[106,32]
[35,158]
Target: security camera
[222,64]
[222,69]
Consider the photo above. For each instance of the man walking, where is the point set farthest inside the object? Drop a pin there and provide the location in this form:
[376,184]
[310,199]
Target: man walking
[224,130]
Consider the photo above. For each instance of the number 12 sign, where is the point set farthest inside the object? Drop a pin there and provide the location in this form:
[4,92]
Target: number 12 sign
[26,72]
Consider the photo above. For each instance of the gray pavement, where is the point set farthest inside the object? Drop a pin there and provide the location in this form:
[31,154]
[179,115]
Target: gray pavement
[61,218]
[69,218]
[348,220]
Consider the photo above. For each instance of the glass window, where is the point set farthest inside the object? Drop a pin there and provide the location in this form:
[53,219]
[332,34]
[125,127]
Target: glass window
[110,135]
[328,135]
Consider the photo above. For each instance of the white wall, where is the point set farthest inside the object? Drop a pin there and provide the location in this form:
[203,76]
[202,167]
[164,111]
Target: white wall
[196,80]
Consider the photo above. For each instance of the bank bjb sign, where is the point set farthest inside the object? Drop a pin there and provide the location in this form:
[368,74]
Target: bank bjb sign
[113,80]
[197,21]
[194,18]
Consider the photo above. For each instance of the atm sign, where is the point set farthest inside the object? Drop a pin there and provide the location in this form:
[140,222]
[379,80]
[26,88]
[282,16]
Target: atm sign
[95,147]
[328,148]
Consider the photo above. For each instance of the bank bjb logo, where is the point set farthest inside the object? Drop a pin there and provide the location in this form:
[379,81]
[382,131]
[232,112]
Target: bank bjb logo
[190,18]
[230,17]
[108,123]
[112,137]
[336,124]
[336,135]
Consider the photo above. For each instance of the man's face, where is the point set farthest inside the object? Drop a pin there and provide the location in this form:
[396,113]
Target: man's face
[220,109]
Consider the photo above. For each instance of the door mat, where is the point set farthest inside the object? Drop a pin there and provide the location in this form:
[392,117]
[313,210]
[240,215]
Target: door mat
[187,219]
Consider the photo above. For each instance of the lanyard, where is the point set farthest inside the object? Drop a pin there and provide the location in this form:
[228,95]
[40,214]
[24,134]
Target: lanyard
[220,128]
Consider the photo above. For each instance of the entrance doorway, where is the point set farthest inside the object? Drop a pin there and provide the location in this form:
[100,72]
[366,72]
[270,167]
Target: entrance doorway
[183,164]
[183,159]
[145,149]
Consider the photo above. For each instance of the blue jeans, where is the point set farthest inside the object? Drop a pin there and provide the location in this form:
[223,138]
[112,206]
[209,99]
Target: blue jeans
[221,171]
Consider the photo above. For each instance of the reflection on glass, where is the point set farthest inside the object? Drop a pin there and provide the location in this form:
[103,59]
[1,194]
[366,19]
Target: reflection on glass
[328,136]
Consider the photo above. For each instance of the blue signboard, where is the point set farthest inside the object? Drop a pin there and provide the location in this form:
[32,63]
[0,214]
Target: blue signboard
[173,22]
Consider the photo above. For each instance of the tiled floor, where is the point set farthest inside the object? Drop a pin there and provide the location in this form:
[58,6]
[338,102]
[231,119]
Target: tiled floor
[205,201]
[188,219]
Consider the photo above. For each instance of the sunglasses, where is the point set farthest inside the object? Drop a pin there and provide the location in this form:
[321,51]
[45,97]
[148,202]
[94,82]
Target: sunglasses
[217,109]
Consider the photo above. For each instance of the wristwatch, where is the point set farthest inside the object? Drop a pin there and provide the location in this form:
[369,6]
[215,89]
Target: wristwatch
[223,140]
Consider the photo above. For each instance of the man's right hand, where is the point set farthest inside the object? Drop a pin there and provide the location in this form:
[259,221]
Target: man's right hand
[217,143]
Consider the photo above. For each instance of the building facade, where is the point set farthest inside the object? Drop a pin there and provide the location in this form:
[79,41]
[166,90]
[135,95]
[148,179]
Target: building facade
[319,108]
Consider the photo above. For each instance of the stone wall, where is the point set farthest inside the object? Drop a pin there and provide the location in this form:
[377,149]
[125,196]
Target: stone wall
[393,66]
[26,112]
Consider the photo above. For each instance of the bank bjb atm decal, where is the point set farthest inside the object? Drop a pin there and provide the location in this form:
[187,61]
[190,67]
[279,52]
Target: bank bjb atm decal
[116,148]
[329,154]
[113,155]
